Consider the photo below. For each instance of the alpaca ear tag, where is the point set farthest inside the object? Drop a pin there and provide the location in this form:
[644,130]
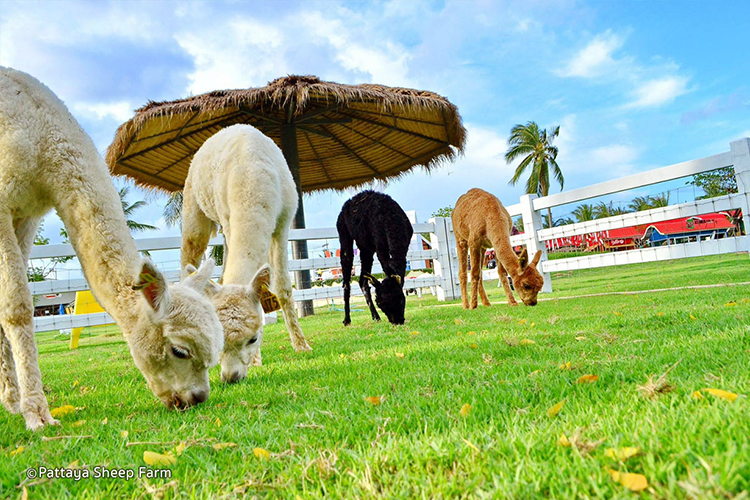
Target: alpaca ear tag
[397,278]
[268,300]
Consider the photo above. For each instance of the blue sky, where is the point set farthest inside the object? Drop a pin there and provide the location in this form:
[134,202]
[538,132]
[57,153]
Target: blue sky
[633,85]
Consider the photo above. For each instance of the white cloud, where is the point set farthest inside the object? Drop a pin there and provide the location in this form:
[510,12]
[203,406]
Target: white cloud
[659,91]
[120,111]
[239,54]
[595,58]
[384,60]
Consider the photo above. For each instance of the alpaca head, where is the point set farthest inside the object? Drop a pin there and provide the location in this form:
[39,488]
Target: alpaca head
[177,336]
[529,281]
[241,316]
[389,296]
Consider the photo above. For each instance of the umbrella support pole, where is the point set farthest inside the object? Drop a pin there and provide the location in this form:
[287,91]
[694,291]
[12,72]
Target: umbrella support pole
[299,248]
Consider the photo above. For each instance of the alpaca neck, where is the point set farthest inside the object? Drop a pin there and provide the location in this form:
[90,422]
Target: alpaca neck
[91,210]
[505,253]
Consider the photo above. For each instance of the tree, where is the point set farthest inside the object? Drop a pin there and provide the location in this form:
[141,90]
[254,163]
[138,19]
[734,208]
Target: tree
[640,203]
[443,212]
[128,210]
[584,212]
[660,200]
[602,210]
[536,149]
[716,182]
[172,214]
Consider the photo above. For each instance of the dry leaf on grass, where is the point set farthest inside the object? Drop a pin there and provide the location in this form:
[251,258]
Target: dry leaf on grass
[587,379]
[522,321]
[373,400]
[696,395]
[527,342]
[633,482]
[221,446]
[78,423]
[553,411]
[566,366]
[729,396]
[104,422]
[400,355]
[459,321]
[579,442]
[62,411]
[16,451]
[473,346]
[414,332]
[465,409]
[124,434]
[617,313]
[152,458]
[471,333]
[580,337]
[622,454]
[692,317]
[261,453]
[217,422]
[653,388]
[487,358]
[730,304]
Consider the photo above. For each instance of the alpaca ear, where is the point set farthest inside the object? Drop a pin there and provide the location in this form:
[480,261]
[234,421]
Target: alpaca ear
[523,259]
[535,260]
[261,279]
[200,279]
[152,283]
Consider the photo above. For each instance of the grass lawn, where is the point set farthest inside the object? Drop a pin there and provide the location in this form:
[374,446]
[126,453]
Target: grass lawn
[463,409]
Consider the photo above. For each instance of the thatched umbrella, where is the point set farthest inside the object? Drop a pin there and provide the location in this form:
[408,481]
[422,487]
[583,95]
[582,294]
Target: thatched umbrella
[332,135]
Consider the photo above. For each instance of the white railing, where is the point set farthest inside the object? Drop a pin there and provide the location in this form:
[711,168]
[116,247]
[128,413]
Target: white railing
[443,255]
[535,236]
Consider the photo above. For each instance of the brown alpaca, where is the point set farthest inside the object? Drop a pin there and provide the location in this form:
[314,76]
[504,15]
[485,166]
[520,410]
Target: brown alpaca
[479,222]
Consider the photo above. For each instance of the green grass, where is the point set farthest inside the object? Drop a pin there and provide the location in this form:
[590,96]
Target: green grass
[309,409]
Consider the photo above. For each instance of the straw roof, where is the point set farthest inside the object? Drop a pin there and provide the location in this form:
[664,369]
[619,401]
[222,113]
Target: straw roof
[347,135]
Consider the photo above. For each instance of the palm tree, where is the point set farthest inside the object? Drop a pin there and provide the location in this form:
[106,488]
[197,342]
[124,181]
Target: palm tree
[172,214]
[584,212]
[535,146]
[602,210]
[660,200]
[128,209]
[640,203]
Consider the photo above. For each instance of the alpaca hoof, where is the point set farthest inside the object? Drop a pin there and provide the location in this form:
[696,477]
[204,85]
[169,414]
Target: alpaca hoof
[512,304]
[486,304]
[347,322]
[37,419]
[302,346]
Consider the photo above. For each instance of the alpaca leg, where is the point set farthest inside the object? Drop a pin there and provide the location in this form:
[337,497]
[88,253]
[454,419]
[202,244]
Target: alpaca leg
[462,249]
[16,312]
[196,232]
[483,294]
[282,285]
[347,261]
[476,273]
[9,394]
[503,275]
[366,258]
[25,230]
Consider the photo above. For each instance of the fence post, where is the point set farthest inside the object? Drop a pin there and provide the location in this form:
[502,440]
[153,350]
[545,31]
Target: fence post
[532,222]
[446,264]
[741,153]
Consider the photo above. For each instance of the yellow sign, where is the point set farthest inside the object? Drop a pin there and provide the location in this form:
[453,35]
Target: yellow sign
[85,304]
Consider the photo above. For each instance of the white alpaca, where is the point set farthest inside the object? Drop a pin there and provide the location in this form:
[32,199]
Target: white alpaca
[240,180]
[47,161]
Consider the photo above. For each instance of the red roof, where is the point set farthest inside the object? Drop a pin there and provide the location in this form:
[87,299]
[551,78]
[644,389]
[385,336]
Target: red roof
[705,222]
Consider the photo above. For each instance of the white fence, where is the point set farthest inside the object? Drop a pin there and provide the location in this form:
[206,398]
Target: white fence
[443,252]
[535,237]
[443,255]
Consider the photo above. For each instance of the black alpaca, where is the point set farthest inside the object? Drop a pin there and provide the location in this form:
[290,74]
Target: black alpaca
[379,226]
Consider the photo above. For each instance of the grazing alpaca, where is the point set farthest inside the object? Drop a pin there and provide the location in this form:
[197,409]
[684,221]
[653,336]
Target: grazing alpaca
[379,226]
[47,161]
[479,222]
[239,179]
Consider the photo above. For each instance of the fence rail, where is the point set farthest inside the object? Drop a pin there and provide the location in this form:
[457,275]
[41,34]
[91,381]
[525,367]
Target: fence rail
[443,252]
